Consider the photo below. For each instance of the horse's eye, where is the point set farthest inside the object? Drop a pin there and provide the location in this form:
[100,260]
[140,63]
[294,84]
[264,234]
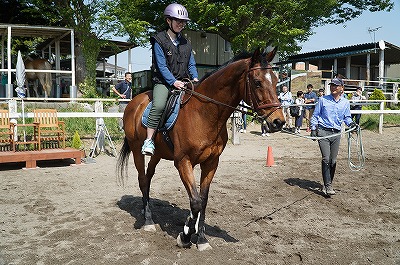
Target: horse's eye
[257,83]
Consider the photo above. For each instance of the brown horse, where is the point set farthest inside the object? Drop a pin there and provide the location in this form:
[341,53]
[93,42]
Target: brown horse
[44,78]
[200,133]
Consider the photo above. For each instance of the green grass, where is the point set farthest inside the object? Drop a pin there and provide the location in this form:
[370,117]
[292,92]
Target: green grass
[371,121]
[85,126]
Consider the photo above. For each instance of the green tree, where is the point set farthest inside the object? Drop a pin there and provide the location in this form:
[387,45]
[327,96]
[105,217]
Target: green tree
[246,24]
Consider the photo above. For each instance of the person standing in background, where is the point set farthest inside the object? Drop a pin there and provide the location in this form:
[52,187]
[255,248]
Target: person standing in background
[243,107]
[299,119]
[124,90]
[311,98]
[356,97]
[286,100]
[321,92]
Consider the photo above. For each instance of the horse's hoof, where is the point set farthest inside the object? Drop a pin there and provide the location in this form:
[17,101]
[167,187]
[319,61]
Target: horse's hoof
[205,246]
[182,244]
[149,228]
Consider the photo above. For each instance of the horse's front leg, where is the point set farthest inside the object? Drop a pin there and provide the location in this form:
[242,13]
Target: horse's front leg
[195,218]
[208,169]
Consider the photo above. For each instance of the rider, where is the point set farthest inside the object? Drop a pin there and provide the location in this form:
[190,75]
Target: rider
[173,61]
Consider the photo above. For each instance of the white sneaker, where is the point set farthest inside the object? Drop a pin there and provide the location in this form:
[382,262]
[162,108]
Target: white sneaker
[267,134]
[263,134]
[148,147]
[241,130]
[244,131]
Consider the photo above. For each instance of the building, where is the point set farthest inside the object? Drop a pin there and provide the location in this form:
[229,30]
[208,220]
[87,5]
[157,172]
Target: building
[367,65]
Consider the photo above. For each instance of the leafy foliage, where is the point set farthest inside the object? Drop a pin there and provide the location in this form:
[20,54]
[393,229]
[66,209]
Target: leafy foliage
[246,24]
[377,95]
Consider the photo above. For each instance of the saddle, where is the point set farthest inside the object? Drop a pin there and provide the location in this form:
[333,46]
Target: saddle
[168,117]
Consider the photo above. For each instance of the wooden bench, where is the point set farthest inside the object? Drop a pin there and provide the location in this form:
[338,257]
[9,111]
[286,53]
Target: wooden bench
[6,130]
[48,128]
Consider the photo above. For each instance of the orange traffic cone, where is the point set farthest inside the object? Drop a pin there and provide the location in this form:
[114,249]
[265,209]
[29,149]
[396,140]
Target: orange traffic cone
[270,157]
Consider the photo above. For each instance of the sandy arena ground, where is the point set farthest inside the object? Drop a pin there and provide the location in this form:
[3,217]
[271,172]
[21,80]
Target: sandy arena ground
[62,214]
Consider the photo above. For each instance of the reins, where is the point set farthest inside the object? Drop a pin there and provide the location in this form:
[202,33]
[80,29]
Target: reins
[192,92]
[248,94]
[358,143]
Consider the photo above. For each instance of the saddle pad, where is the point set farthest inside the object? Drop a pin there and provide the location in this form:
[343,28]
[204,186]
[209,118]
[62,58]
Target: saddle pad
[170,120]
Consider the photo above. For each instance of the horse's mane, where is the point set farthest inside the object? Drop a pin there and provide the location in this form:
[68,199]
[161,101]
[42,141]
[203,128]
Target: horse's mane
[238,57]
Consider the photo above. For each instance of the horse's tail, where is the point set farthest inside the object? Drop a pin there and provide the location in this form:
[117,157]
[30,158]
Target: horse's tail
[122,163]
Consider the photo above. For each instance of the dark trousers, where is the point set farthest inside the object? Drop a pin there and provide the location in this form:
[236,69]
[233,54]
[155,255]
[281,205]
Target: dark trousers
[329,148]
[356,117]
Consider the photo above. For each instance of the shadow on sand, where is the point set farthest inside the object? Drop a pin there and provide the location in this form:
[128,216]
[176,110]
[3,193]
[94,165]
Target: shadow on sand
[168,216]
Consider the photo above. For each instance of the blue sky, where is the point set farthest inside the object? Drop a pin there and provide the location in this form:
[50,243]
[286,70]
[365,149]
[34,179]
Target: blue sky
[326,37]
[356,31]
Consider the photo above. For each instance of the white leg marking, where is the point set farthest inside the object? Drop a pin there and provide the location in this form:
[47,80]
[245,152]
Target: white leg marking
[197,223]
[186,229]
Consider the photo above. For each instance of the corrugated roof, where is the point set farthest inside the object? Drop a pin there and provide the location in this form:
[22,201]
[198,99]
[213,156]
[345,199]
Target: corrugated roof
[392,54]
[51,33]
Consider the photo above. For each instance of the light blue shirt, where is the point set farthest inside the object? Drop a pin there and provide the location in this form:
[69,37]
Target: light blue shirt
[286,98]
[330,113]
[162,65]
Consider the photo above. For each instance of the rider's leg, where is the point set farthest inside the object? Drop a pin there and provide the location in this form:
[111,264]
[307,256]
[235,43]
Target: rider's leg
[160,97]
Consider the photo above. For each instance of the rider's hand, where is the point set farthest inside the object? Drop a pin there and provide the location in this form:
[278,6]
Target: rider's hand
[313,134]
[179,84]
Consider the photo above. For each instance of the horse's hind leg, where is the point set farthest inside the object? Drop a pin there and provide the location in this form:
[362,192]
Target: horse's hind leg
[144,185]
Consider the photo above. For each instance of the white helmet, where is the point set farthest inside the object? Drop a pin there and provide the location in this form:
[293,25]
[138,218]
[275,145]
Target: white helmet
[176,11]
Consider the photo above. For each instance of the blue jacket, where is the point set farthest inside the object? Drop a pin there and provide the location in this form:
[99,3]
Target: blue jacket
[124,87]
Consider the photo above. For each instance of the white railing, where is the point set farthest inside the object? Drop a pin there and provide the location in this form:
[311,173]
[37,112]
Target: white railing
[98,113]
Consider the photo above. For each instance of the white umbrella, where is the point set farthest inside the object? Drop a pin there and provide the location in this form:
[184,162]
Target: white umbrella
[20,76]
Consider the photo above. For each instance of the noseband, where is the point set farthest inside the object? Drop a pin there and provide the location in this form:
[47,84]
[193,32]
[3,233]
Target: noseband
[252,99]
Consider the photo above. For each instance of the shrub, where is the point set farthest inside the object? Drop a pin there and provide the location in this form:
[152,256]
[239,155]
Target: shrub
[376,95]
[76,141]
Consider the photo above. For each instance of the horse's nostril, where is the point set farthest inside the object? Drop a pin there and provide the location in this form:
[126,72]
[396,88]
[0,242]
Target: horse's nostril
[277,123]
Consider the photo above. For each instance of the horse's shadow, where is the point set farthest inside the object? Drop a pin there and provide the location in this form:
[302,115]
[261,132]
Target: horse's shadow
[306,184]
[168,216]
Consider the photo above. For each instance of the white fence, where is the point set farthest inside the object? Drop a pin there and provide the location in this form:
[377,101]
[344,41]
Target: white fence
[98,110]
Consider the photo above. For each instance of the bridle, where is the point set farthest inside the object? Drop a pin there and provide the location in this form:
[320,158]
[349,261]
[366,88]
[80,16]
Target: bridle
[249,94]
[251,97]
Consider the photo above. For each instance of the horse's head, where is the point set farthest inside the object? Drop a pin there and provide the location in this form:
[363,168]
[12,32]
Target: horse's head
[260,90]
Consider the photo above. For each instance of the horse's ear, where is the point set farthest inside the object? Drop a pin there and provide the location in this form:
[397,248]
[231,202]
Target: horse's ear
[256,58]
[270,56]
